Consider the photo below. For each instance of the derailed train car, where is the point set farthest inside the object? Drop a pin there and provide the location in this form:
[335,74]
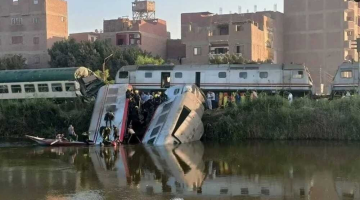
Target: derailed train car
[260,77]
[51,83]
[346,79]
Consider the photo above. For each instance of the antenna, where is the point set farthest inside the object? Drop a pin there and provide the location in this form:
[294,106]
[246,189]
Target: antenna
[275,7]
[255,8]
[221,11]
[239,9]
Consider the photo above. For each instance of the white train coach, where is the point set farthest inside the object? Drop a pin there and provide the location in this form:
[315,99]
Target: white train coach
[259,77]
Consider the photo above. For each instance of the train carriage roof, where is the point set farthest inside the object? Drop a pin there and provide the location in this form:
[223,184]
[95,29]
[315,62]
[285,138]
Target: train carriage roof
[39,75]
[211,67]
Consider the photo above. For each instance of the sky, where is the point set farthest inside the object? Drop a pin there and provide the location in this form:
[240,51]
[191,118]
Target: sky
[88,15]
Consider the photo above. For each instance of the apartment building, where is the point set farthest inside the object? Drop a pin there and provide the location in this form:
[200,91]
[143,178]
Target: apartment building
[319,33]
[256,36]
[30,27]
[85,37]
[148,34]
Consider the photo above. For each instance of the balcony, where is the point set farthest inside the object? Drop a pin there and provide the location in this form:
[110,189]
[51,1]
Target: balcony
[349,5]
[218,38]
[349,25]
[347,44]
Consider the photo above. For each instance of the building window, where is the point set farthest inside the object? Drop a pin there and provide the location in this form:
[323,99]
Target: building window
[346,74]
[189,28]
[17,40]
[178,75]
[29,88]
[120,42]
[69,87]
[197,51]
[222,74]
[4,89]
[16,88]
[43,88]
[243,75]
[264,74]
[15,2]
[16,21]
[36,1]
[240,49]
[239,28]
[36,40]
[148,74]
[224,29]
[35,20]
[350,33]
[56,87]
[63,19]
[298,74]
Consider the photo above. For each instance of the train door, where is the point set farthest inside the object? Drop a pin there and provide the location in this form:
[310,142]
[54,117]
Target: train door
[198,79]
[165,79]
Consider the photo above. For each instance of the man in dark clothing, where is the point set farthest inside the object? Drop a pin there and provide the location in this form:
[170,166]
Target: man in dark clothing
[109,117]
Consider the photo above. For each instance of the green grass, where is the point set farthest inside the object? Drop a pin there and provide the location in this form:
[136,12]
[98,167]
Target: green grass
[42,117]
[273,118]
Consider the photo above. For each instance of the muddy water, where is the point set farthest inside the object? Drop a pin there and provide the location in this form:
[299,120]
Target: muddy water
[249,170]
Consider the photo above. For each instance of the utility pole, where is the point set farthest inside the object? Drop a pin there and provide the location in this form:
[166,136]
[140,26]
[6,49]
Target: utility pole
[103,69]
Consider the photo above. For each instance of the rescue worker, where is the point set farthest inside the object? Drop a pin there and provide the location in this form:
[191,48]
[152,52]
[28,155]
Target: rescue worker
[109,117]
[72,134]
[106,134]
[115,133]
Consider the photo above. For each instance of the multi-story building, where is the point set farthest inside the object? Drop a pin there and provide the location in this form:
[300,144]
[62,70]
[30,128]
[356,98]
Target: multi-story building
[149,35]
[256,36]
[319,33]
[86,36]
[30,27]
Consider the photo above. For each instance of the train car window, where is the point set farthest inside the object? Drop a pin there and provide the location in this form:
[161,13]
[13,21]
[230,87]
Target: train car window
[346,74]
[30,88]
[222,75]
[4,89]
[69,87]
[176,91]
[148,74]
[298,74]
[43,88]
[16,89]
[263,74]
[178,75]
[124,75]
[56,87]
[243,75]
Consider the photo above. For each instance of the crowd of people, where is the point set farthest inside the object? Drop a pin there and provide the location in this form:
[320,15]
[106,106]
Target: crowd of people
[141,108]
[225,99]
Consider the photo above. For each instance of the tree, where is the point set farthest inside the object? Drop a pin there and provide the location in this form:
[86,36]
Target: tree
[145,60]
[234,59]
[69,53]
[12,62]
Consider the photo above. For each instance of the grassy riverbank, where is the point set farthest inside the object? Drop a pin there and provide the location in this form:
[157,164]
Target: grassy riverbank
[43,117]
[273,118]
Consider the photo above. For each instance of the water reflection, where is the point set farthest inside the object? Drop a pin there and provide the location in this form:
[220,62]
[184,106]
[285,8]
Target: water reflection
[255,170]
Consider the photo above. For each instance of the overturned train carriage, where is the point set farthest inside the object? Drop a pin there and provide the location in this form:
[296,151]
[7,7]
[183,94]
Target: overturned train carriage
[55,83]
[346,79]
[260,77]
[177,120]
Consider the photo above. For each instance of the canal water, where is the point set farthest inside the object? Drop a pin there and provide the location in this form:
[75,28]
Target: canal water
[248,170]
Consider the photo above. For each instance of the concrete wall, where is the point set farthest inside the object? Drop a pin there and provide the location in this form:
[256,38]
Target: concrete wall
[84,37]
[175,50]
[316,34]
